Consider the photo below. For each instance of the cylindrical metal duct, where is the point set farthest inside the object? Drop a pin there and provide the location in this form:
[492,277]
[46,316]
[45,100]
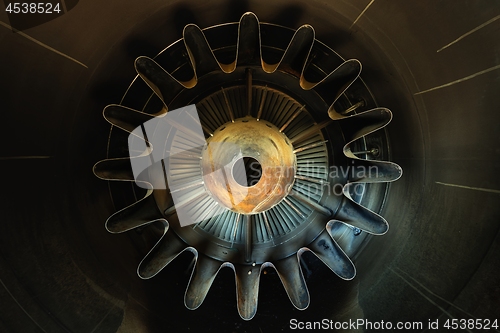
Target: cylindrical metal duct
[435,65]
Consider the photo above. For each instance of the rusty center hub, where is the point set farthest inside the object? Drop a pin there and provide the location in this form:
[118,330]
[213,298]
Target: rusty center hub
[273,165]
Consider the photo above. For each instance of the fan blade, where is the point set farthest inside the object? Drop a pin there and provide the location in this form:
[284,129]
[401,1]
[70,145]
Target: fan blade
[370,171]
[297,52]
[293,280]
[328,251]
[203,276]
[247,289]
[249,52]
[119,168]
[361,124]
[125,118]
[335,83]
[159,80]
[201,55]
[357,126]
[166,249]
[358,216]
[142,212]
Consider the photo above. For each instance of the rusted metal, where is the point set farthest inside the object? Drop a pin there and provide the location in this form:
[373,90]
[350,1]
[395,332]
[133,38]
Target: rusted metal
[247,137]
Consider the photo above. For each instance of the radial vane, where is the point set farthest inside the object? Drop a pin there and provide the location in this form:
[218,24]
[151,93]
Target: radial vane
[288,157]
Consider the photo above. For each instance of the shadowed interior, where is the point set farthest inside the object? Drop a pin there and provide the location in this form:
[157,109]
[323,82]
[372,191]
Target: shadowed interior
[434,64]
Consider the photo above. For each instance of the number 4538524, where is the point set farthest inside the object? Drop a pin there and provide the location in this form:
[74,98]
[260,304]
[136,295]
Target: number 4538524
[471,324]
[33,8]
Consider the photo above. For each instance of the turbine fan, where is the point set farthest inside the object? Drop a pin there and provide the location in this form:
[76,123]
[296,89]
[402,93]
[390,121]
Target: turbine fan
[275,94]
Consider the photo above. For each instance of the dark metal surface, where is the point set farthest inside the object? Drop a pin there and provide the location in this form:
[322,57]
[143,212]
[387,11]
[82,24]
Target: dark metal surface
[250,226]
[441,250]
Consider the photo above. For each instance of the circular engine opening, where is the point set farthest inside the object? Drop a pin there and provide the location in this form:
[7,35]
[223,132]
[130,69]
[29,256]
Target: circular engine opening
[247,171]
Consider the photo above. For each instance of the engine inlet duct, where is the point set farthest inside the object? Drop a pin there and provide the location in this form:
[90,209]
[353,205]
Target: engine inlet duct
[257,143]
